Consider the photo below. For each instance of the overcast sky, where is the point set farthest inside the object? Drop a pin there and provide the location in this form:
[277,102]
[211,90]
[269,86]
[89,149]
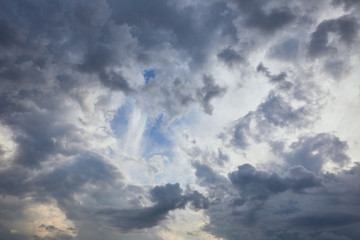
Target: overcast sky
[179,120]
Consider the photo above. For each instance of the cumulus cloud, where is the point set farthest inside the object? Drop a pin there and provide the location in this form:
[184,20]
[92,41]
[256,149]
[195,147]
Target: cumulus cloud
[230,56]
[345,27]
[209,91]
[260,185]
[314,152]
[294,194]
[269,20]
[166,198]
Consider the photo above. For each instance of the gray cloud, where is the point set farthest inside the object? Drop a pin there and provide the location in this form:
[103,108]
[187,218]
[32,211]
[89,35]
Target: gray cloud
[166,198]
[268,21]
[13,181]
[345,27]
[115,81]
[279,79]
[314,152]
[56,232]
[65,181]
[230,56]
[274,112]
[297,204]
[9,36]
[324,221]
[209,91]
[259,185]
[286,50]
[279,113]
[159,22]
[206,176]
[241,131]
[97,59]
[346,3]
[35,145]
[67,68]
[179,95]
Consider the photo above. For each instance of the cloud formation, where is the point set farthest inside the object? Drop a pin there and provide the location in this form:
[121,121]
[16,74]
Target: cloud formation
[166,198]
[179,119]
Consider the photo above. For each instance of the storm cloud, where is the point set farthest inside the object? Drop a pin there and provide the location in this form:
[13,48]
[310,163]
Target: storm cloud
[179,119]
[166,198]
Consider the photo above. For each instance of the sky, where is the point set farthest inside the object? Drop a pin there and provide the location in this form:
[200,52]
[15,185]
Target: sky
[179,120]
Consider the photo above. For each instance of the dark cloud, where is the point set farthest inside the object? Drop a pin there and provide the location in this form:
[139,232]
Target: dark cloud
[206,175]
[245,196]
[97,59]
[313,152]
[241,131]
[230,56]
[9,36]
[4,234]
[62,184]
[266,20]
[209,91]
[331,236]
[279,79]
[263,69]
[345,27]
[166,199]
[115,81]
[63,28]
[288,208]
[298,179]
[14,182]
[66,81]
[278,112]
[64,181]
[37,132]
[259,185]
[325,221]
[162,22]
[14,71]
[55,233]
[270,22]
[256,184]
[221,158]
[197,200]
[297,204]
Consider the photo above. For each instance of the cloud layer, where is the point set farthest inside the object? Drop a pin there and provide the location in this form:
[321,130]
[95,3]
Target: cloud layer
[179,119]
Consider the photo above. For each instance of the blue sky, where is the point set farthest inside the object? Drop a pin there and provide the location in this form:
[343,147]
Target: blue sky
[148,75]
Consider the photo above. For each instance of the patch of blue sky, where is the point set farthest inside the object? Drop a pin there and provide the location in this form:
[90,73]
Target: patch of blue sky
[149,74]
[120,122]
[157,139]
